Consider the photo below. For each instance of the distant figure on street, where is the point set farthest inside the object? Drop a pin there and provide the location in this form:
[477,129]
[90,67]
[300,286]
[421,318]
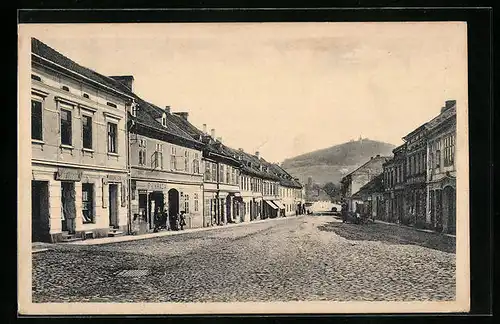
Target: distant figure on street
[166,219]
[344,212]
[182,220]
[157,219]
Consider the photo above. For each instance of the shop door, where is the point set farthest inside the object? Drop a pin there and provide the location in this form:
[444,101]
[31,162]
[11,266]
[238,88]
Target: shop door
[157,204]
[449,196]
[173,202]
[40,211]
[68,213]
[113,205]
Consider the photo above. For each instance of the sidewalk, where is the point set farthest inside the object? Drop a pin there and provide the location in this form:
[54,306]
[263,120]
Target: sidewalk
[127,238]
[414,228]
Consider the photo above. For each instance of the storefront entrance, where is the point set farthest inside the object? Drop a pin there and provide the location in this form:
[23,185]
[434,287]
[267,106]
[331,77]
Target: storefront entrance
[173,202]
[68,207]
[40,211]
[449,208]
[156,205]
[113,205]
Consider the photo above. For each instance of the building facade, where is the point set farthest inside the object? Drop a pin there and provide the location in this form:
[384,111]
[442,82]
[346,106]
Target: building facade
[415,184]
[79,150]
[394,184]
[441,170]
[352,182]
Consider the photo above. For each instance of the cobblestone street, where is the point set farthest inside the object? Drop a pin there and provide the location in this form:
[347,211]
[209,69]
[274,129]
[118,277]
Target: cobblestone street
[298,258]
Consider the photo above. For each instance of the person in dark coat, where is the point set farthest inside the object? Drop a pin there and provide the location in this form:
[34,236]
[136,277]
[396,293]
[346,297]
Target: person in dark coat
[344,212]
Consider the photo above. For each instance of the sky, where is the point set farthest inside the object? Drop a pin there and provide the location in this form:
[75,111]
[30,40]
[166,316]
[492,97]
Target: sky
[282,89]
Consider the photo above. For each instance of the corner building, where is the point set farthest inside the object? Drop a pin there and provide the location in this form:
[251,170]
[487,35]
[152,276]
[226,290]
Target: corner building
[79,150]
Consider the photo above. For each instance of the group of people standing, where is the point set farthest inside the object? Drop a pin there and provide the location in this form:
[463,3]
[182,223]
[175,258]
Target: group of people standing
[164,221]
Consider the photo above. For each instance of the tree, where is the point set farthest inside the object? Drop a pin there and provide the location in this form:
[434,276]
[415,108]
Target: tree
[333,190]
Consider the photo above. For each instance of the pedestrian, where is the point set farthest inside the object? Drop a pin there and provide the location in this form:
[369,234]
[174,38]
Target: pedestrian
[166,219]
[157,216]
[175,222]
[182,220]
[344,212]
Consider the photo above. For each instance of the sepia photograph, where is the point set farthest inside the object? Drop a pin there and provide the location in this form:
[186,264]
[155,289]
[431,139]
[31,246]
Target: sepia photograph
[181,168]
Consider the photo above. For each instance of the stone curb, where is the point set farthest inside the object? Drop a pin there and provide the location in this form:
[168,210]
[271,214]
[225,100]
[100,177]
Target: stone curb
[128,238]
[415,228]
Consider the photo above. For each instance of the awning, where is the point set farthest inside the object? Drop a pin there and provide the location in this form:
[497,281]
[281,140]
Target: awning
[270,203]
[279,204]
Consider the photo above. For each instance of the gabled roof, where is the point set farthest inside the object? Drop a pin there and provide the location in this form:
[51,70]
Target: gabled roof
[50,54]
[374,185]
[415,131]
[436,121]
[386,158]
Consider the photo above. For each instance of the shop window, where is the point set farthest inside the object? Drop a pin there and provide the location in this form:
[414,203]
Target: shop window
[36,120]
[88,203]
[196,202]
[112,138]
[66,129]
[87,131]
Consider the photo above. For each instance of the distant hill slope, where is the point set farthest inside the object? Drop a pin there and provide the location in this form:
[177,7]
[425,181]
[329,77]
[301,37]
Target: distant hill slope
[330,164]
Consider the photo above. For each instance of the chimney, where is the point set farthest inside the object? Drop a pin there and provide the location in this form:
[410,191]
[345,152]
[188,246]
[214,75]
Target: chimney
[240,149]
[126,80]
[212,133]
[167,109]
[184,115]
[450,103]
[204,128]
[257,154]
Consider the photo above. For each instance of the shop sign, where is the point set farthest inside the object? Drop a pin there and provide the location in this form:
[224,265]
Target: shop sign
[68,174]
[151,186]
[114,178]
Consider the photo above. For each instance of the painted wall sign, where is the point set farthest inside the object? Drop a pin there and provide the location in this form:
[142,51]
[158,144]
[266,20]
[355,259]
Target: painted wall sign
[151,185]
[64,174]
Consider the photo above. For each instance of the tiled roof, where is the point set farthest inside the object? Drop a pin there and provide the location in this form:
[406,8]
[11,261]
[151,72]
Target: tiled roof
[48,53]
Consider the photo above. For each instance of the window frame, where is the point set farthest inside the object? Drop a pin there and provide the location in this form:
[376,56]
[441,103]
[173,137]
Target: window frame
[108,131]
[69,110]
[84,116]
[41,100]
[86,203]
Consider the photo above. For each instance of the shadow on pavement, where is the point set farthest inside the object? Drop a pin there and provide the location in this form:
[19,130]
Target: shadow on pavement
[390,234]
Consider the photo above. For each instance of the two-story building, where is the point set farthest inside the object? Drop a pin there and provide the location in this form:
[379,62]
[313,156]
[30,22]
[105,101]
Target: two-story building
[415,181]
[79,149]
[394,185]
[441,170]
[290,192]
[352,182]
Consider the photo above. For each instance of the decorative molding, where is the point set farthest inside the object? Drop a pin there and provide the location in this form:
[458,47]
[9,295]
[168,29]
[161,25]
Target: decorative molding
[113,116]
[66,101]
[39,92]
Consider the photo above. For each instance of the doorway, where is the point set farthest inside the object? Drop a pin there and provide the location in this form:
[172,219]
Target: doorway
[173,202]
[450,208]
[40,211]
[156,201]
[113,205]
[68,207]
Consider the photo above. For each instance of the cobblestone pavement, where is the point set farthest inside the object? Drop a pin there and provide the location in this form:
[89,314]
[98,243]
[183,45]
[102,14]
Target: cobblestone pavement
[304,258]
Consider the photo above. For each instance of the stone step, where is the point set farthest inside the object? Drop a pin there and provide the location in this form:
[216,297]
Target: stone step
[71,239]
[115,233]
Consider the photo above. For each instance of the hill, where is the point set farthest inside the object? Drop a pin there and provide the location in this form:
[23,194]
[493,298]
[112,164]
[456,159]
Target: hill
[331,164]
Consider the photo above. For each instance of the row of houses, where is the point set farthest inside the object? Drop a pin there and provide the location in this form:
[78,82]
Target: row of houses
[104,161]
[417,185]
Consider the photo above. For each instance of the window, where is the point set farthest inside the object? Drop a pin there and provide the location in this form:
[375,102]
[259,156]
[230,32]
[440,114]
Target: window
[142,157]
[186,160]
[87,132]
[86,96]
[66,138]
[228,174]
[134,110]
[186,204]
[173,158]
[88,202]
[164,120]
[221,173]
[111,104]
[36,120]
[449,150]
[208,168]
[196,164]
[112,133]
[214,172]
[159,156]
[196,202]
[438,159]
[36,78]
[65,88]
